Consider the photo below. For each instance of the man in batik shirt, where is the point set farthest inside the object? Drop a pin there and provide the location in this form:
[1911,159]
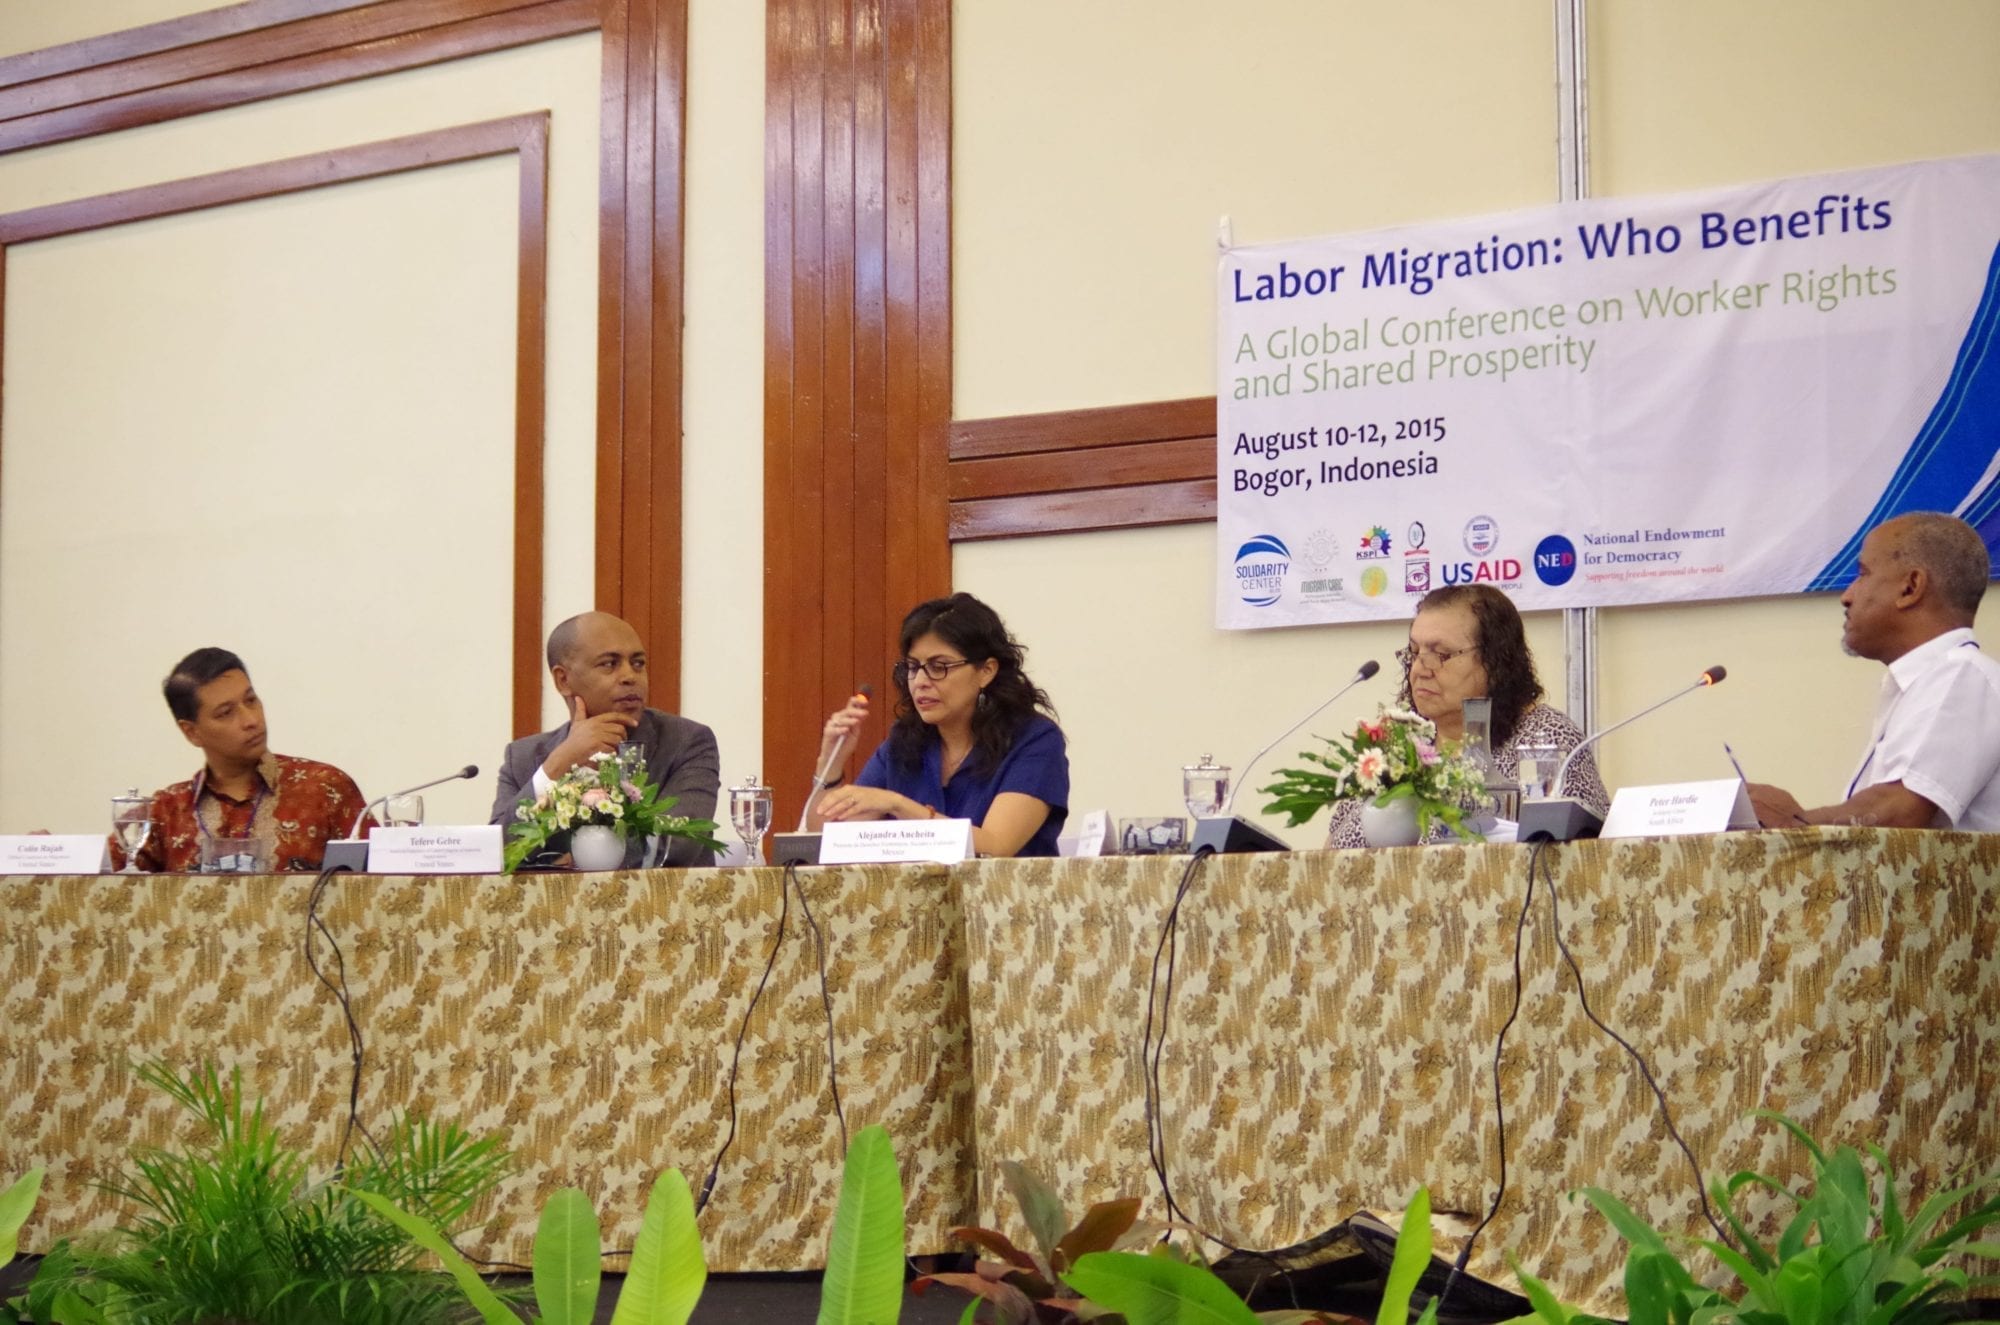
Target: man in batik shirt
[290,808]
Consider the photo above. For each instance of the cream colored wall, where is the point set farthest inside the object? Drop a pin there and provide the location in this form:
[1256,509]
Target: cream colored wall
[313,399]
[30,25]
[722,519]
[1096,147]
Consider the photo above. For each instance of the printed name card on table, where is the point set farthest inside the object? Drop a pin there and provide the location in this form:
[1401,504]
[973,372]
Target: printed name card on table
[52,853]
[1679,809]
[894,841]
[473,849]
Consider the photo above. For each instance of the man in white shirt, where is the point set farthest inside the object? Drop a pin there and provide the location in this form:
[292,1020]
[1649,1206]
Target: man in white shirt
[1933,759]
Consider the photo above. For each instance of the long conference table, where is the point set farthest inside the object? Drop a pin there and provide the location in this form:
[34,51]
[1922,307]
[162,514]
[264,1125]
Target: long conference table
[1329,1049]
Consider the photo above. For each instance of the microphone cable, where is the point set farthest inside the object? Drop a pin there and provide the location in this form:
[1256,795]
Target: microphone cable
[743,1029]
[1150,1053]
[336,984]
[1535,861]
[825,998]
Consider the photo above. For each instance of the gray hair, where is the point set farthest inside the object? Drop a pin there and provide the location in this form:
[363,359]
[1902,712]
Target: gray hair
[1950,551]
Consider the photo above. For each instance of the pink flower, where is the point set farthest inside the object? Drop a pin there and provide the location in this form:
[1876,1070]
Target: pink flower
[1426,752]
[631,792]
[1369,767]
[595,797]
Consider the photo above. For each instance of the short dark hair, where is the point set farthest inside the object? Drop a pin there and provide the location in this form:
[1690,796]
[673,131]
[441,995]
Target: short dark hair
[1502,642]
[1951,551]
[192,673]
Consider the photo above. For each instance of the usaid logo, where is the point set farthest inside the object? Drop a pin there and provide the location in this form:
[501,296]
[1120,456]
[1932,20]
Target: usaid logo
[1482,535]
[1555,560]
[1500,570]
[1261,564]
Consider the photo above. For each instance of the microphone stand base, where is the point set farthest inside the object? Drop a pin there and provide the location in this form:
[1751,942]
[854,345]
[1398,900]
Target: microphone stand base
[1228,837]
[349,853]
[1558,821]
[795,849]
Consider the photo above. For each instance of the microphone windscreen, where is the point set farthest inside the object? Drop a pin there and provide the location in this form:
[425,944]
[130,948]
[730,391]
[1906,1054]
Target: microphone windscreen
[866,690]
[1714,675]
[469,771]
[1368,669]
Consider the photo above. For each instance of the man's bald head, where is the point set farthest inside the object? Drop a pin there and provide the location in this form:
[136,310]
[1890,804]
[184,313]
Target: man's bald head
[568,636]
[598,658]
[1950,553]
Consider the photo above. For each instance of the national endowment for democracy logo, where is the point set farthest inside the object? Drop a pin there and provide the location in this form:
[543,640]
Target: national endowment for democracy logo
[1261,564]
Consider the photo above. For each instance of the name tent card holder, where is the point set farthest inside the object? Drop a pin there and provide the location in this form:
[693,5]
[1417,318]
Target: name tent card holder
[430,849]
[1679,809]
[896,841]
[53,853]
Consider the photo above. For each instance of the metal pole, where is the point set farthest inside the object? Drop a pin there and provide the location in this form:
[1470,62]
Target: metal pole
[1573,183]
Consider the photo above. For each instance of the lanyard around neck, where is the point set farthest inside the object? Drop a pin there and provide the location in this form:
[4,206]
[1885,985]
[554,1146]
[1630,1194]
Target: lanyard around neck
[257,804]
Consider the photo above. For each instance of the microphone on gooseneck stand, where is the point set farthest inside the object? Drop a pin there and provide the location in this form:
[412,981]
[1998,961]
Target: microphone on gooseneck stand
[802,847]
[1560,819]
[1226,834]
[351,852]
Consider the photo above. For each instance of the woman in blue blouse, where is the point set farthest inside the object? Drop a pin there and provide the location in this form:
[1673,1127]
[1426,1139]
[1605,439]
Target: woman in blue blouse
[973,737]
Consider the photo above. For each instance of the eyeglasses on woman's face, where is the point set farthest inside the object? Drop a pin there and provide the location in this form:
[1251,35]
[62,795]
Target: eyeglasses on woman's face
[1435,659]
[937,669]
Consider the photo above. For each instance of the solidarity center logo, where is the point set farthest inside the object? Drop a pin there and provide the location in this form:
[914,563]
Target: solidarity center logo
[1261,564]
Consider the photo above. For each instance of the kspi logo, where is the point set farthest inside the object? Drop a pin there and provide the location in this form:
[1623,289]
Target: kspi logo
[1503,570]
[1374,543]
[1555,560]
[1261,564]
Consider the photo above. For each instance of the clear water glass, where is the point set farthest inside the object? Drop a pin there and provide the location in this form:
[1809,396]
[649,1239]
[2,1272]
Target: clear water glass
[750,815]
[402,811]
[1205,787]
[132,823]
[1536,771]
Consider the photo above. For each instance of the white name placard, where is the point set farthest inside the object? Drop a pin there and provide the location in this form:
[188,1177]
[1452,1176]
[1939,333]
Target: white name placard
[52,853]
[1679,808]
[473,849]
[885,841]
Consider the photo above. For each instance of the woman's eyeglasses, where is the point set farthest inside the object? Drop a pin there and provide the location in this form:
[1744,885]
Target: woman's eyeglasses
[1435,659]
[937,669]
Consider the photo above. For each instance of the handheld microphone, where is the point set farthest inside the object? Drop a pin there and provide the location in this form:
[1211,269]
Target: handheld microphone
[351,852]
[1226,833]
[1559,819]
[801,847]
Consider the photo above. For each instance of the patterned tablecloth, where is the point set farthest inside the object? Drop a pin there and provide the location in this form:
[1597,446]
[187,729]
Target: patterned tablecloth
[589,1019]
[1329,1048]
[1334,1016]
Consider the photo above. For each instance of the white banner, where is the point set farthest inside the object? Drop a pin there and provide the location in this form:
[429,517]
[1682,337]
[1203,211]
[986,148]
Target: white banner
[1706,395]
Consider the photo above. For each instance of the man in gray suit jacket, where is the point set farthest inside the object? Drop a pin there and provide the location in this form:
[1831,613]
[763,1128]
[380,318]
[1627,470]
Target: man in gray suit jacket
[598,665]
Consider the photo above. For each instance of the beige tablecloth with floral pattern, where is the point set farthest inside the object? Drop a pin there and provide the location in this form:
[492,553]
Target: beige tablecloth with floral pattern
[1334,1016]
[1329,1047]
[588,1019]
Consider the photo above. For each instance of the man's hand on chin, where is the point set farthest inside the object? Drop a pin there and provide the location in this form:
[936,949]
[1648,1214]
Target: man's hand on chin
[587,736]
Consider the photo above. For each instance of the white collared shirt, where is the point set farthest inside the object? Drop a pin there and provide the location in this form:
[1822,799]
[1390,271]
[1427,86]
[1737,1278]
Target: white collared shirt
[1937,731]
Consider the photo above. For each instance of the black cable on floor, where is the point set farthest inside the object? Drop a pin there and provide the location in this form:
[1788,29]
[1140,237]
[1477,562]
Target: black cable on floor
[337,985]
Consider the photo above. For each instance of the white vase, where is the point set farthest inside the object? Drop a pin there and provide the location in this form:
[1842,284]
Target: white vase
[1393,825]
[595,848]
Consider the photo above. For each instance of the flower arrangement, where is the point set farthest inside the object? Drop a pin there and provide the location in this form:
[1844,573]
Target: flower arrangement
[601,791]
[1396,757]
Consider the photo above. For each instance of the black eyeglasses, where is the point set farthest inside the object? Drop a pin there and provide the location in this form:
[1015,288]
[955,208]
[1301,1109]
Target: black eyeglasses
[1436,658]
[937,669]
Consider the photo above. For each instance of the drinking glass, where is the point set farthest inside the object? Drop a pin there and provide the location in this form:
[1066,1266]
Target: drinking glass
[1536,771]
[404,811]
[132,821]
[750,813]
[1205,787]
[631,757]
